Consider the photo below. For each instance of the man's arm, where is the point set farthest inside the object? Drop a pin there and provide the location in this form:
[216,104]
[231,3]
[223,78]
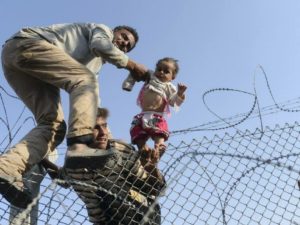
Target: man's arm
[138,71]
[155,173]
[143,172]
[102,46]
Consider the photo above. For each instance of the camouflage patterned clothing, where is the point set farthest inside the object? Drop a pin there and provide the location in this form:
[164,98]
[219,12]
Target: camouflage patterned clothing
[117,189]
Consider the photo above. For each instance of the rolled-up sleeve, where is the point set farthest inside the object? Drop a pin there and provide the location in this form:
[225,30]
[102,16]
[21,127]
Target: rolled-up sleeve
[174,99]
[101,45]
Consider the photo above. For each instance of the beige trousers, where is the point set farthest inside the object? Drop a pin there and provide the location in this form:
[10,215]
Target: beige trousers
[37,70]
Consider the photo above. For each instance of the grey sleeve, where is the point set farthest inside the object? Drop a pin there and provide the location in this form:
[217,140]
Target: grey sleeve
[101,45]
[174,99]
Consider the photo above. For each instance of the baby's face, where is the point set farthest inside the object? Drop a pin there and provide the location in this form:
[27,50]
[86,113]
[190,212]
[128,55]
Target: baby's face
[165,71]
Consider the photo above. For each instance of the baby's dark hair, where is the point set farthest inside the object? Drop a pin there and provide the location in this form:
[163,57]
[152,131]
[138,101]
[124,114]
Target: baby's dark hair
[131,30]
[172,60]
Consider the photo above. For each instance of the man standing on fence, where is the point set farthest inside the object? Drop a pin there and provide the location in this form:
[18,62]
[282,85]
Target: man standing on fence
[37,63]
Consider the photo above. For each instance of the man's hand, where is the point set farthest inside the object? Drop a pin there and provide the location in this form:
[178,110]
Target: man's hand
[181,89]
[137,70]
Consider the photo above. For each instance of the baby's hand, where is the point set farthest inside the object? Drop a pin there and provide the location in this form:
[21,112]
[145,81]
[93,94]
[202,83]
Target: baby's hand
[181,89]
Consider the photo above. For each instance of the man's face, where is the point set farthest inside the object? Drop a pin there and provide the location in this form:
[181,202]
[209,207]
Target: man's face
[124,40]
[100,133]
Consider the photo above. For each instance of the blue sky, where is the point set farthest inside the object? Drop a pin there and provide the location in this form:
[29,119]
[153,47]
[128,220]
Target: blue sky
[217,43]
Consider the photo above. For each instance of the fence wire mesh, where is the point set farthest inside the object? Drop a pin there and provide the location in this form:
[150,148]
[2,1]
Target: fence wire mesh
[242,178]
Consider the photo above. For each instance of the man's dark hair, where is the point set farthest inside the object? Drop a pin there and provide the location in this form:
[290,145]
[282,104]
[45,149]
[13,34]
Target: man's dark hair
[102,112]
[131,30]
[172,60]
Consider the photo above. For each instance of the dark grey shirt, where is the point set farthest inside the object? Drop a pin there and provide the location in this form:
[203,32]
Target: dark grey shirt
[120,192]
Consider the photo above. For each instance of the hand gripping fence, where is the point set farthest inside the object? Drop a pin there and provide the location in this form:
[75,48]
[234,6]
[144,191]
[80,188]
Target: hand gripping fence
[229,179]
[225,180]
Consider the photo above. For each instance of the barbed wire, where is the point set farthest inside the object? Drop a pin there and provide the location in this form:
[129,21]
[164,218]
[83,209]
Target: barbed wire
[231,122]
[248,177]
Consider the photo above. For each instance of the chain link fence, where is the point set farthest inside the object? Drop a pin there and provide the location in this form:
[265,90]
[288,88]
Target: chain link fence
[243,178]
